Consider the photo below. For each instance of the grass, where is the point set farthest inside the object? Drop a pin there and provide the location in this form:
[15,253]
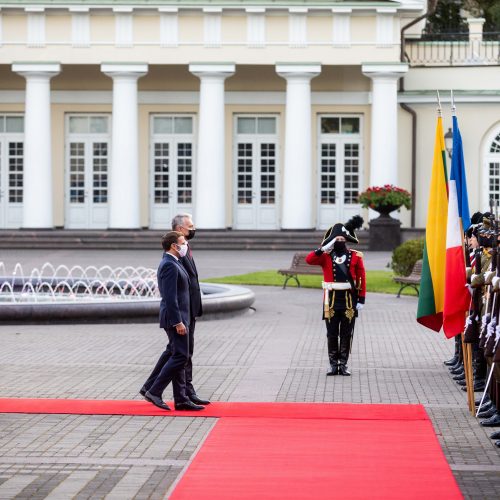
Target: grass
[376,281]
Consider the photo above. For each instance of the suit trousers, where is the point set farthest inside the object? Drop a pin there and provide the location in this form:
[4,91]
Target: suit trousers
[184,389]
[171,367]
[338,327]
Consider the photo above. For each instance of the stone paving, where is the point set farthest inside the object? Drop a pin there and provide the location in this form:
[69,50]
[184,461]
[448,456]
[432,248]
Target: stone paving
[278,353]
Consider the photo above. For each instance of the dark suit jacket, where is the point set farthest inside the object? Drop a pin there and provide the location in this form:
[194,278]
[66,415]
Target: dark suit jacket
[194,284]
[173,283]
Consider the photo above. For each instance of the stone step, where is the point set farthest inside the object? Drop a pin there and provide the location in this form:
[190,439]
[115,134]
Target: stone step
[150,239]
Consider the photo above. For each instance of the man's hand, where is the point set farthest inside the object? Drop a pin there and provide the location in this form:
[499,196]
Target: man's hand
[359,306]
[328,247]
[180,328]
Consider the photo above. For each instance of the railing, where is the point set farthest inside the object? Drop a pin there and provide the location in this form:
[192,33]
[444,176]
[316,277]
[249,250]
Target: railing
[453,49]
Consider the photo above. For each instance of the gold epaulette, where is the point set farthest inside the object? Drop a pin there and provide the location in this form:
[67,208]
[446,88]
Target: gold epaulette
[358,253]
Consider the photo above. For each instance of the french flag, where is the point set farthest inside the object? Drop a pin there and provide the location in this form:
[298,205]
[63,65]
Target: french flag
[456,295]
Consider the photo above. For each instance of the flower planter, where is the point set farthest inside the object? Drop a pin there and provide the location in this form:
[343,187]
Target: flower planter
[385,232]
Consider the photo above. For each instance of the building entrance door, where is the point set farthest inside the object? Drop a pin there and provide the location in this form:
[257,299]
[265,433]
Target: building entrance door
[339,170]
[171,170]
[87,163]
[256,173]
[11,171]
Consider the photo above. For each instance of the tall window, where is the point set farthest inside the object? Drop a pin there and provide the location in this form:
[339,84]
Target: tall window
[493,164]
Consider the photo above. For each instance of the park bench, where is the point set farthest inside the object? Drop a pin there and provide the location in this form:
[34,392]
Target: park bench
[299,266]
[413,280]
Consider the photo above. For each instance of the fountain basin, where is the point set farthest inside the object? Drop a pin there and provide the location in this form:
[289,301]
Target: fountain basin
[219,301]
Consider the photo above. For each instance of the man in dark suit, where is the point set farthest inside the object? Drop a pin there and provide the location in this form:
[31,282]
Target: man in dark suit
[175,315]
[183,223]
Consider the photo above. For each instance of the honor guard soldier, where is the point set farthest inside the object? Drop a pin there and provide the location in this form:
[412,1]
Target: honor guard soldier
[344,289]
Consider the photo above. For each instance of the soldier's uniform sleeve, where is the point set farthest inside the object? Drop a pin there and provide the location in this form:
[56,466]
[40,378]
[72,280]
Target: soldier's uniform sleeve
[315,258]
[360,278]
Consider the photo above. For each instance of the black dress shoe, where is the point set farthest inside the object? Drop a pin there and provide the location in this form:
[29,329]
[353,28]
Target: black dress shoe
[198,401]
[495,435]
[142,392]
[456,366]
[460,376]
[461,382]
[497,444]
[334,371]
[458,371]
[157,401]
[344,371]
[451,361]
[493,421]
[188,406]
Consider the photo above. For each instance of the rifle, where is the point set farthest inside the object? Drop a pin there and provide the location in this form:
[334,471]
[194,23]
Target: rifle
[489,342]
[472,326]
[491,298]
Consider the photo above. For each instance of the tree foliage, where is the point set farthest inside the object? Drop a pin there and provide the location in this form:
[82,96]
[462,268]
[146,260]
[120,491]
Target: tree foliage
[450,16]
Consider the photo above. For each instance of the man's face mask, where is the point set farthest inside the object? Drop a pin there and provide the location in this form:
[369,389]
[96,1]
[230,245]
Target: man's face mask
[339,247]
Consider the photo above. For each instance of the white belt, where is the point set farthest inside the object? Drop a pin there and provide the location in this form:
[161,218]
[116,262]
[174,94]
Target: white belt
[335,286]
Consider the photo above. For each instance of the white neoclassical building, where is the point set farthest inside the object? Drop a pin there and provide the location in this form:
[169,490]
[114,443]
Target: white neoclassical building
[251,115]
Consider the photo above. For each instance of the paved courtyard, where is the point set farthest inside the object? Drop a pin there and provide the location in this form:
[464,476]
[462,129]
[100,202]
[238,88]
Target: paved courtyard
[278,353]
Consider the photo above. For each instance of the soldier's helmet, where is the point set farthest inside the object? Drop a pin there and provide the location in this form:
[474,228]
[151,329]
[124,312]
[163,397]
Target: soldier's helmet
[346,230]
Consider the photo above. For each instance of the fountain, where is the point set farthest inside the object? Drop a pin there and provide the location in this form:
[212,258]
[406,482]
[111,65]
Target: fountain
[93,294]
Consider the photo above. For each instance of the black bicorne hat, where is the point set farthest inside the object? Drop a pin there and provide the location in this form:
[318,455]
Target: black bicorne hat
[346,230]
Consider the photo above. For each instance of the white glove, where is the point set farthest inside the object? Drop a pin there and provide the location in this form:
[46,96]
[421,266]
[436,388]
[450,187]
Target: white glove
[328,247]
[359,306]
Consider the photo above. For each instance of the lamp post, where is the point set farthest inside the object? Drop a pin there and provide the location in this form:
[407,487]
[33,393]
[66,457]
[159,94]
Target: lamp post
[448,142]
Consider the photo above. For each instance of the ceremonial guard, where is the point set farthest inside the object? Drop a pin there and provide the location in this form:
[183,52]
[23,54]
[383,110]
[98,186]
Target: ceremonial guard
[483,326]
[344,289]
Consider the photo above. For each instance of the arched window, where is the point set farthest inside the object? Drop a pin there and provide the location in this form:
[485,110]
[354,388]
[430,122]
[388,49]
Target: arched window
[492,160]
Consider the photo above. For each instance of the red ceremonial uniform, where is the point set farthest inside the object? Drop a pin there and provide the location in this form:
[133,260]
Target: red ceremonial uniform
[356,267]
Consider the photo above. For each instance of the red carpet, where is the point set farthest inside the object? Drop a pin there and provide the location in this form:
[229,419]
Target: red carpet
[217,410]
[319,459]
[296,450]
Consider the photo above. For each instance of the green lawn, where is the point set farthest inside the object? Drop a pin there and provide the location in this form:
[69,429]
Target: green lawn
[376,281]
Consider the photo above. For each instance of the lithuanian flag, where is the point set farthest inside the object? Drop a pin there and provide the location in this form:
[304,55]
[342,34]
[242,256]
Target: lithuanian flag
[431,297]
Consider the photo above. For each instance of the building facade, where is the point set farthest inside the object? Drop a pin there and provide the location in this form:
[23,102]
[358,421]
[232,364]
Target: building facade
[250,115]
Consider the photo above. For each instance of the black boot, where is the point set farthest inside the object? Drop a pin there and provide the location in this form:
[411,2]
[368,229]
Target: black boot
[487,399]
[458,371]
[487,413]
[495,435]
[460,376]
[486,406]
[451,361]
[493,421]
[344,371]
[334,370]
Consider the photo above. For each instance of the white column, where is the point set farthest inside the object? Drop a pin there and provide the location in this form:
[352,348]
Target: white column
[384,123]
[124,210]
[37,192]
[297,206]
[210,184]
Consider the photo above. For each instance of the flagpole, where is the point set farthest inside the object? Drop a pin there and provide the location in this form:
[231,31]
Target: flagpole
[466,347]
[439,109]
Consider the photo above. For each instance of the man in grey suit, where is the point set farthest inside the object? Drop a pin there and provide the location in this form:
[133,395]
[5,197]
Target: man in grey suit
[175,315]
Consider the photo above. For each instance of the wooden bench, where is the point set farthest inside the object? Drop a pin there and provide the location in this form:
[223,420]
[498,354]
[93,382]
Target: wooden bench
[413,280]
[299,266]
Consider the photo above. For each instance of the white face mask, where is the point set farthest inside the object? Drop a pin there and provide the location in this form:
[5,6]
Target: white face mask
[182,249]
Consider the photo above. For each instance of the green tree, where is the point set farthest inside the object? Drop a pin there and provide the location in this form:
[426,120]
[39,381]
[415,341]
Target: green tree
[489,9]
[446,19]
